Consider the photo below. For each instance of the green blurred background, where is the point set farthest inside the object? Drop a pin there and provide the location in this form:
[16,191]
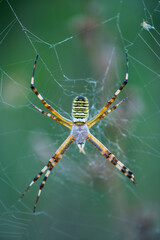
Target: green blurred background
[81,46]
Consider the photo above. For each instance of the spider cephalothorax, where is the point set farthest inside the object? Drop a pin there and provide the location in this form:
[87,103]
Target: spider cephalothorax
[79,131]
[80,134]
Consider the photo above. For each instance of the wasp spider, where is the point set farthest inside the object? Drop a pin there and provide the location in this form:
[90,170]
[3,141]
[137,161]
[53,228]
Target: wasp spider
[79,127]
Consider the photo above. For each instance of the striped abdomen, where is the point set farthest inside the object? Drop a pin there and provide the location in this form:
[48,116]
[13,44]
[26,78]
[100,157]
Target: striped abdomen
[80,110]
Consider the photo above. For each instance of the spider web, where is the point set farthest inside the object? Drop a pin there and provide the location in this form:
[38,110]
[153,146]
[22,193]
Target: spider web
[81,46]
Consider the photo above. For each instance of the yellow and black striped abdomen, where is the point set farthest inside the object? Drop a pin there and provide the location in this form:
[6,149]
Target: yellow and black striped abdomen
[80,109]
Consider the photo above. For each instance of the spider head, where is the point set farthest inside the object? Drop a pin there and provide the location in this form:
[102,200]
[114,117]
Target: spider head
[80,110]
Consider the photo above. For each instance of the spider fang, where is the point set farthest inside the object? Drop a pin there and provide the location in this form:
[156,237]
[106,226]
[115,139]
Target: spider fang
[81,148]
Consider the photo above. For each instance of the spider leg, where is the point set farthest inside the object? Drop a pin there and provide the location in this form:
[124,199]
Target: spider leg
[56,157]
[43,182]
[108,155]
[51,116]
[114,96]
[105,113]
[37,177]
[51,109]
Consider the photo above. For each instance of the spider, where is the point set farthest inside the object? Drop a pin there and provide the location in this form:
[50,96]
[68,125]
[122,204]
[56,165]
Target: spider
[79,127]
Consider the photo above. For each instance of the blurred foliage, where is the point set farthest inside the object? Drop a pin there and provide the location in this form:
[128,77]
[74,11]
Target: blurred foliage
[85,197]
